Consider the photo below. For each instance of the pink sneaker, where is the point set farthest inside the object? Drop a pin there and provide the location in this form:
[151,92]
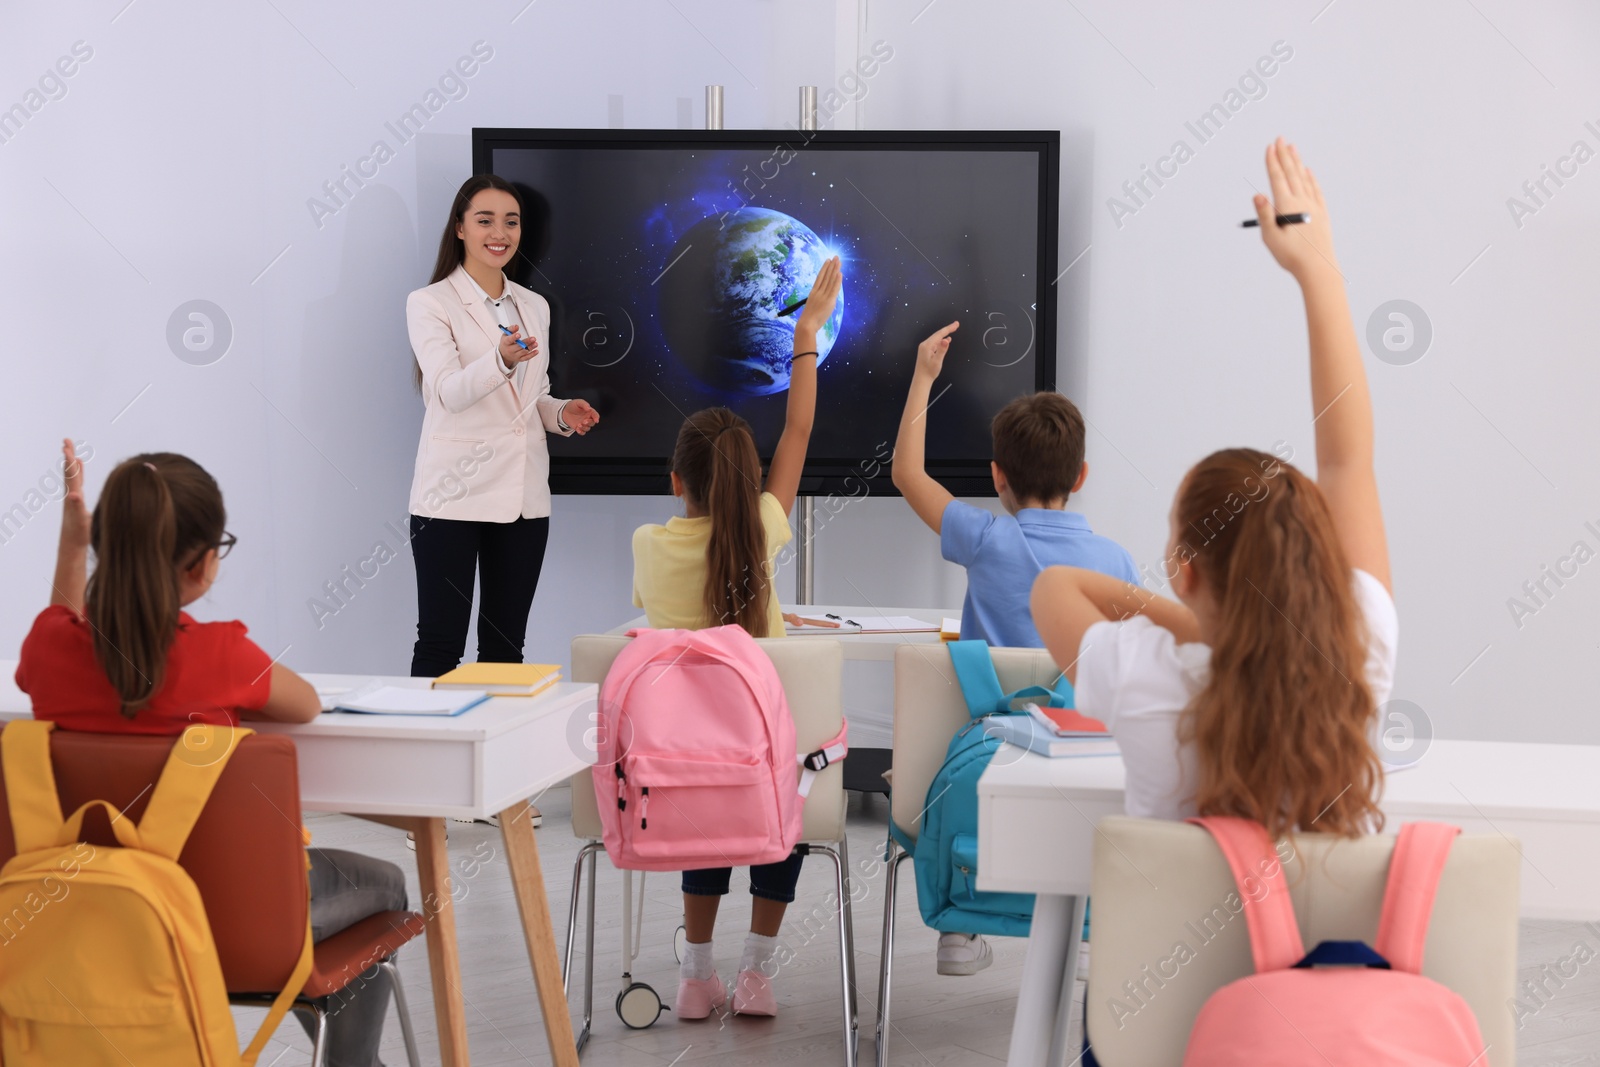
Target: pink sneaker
[698,997]
[752,995]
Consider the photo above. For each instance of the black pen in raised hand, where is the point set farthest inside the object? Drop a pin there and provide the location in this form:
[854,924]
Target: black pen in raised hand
[1282,220]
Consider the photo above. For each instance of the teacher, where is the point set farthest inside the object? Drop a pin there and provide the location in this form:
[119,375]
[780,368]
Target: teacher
[480,498]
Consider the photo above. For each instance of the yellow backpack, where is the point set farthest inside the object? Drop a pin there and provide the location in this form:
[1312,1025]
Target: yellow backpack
[106,956]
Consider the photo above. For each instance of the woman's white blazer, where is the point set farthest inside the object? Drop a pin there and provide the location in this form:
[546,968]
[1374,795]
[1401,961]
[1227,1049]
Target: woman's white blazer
[482,456]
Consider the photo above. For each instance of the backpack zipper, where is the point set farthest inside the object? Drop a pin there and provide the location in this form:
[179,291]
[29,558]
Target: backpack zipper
[644,808]
[622,788]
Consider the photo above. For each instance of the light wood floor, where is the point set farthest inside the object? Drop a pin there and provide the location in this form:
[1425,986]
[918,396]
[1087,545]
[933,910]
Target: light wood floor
[937,1021]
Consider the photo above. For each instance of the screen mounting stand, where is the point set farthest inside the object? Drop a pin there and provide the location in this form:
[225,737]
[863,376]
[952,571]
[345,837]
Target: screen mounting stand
[805,573]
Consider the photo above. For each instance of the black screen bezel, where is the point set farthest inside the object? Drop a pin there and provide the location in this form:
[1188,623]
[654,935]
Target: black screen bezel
[646,475]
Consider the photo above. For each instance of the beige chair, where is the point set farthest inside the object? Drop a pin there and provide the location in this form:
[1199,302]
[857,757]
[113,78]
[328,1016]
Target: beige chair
[1158,885]
[928,710]
[811,670]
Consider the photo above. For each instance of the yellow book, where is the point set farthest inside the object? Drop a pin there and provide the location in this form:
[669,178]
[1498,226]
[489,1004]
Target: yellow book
[501,679]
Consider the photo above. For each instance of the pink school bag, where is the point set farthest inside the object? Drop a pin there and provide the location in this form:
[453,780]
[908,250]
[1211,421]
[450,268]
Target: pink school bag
[696,764]
[1344,1004]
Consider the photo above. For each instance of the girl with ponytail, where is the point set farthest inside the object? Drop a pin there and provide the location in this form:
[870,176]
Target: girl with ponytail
[1256,693]
[714,567]
[116,653]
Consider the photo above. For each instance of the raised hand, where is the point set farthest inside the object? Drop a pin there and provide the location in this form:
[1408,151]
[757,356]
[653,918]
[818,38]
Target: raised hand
[931,352]
[824,297]
[75,510]
[1305,250]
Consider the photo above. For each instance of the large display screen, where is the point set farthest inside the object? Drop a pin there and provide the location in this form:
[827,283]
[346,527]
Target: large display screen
[668,258]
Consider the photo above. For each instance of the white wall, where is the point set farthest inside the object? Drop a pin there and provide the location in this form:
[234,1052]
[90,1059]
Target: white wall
[179,162]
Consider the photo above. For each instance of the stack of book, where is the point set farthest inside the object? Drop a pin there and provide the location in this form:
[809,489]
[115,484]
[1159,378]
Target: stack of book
[1055,732]
[501,679]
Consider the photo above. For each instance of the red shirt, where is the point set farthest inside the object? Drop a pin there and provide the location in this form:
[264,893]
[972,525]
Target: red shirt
[213,672]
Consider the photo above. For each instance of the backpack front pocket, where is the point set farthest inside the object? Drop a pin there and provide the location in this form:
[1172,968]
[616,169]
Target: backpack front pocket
[697,806]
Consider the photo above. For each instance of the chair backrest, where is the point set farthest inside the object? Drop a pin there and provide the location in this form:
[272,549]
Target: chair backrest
[929,709]
[246,854]
[812,672]
[1168,920]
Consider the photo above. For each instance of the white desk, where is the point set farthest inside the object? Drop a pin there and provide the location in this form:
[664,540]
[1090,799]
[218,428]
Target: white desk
[868,669]
[876,647]
[413,773]
[1546,797]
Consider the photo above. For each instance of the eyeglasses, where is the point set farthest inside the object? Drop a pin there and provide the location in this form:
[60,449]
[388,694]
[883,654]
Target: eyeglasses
[225,545]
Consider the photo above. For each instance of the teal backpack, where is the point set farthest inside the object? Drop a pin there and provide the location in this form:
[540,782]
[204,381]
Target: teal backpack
[946,850]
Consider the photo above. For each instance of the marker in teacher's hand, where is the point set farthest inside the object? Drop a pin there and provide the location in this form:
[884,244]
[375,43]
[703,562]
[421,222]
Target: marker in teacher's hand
[792,308]
[1282,220]
[515,340]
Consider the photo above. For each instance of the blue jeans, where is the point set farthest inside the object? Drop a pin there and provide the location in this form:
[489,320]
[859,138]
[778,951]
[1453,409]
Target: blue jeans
[347,887]
[770,881]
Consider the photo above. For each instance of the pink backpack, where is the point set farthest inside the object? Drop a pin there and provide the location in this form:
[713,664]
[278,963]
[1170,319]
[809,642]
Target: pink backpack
[1343,1004]
[696,763]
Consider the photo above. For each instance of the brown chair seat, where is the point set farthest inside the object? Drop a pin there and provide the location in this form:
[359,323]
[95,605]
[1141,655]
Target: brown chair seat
[353,951]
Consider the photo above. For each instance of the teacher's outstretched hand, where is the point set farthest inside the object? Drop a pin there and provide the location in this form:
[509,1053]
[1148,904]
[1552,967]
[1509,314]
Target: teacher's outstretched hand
[579,415]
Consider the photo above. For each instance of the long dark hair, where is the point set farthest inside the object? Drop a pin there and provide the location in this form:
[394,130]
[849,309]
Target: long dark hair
[452,250]
[1282,729]
[716,458]
[158,514]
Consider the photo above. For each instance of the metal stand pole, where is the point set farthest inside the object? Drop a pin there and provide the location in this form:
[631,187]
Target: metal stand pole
[713,107]
[805,561]
[805,574]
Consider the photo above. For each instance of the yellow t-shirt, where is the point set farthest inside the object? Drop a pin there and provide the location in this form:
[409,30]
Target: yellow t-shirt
[669,569]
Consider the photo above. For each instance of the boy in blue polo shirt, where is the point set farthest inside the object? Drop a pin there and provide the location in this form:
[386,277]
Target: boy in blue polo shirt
[1038,464]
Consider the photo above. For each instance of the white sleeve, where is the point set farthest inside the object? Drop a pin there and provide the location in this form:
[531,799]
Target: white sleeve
[455,386]
[1383,633]
[1130,668]
[1099,671]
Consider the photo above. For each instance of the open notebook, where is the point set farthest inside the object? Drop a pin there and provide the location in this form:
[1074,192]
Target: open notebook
[404,700]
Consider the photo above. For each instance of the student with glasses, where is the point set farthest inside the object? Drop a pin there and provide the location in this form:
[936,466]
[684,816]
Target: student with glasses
[116,653]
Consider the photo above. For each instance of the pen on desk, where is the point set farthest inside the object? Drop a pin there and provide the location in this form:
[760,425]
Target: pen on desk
[516,340]
[1282,220]
[792,308]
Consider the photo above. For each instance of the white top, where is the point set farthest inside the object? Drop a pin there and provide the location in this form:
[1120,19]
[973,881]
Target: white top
[1137,679]
[504,311]
[482,454]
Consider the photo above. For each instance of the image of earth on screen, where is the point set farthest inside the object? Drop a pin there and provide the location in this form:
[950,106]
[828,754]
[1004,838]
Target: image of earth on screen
[666,269]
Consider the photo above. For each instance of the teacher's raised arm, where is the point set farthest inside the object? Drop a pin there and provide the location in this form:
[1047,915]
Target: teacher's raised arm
[480,497]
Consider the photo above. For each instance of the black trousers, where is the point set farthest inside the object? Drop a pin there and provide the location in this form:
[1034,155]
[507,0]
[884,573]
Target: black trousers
[507,558]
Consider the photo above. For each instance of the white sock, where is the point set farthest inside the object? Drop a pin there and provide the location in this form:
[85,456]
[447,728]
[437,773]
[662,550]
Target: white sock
[759,950]
[697,962]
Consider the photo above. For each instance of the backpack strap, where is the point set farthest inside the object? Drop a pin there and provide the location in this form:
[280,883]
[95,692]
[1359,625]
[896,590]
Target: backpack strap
[191,772]
[812,763]
[283,1002]
[1415,867]
[36,820]
[1275,941]
[980,686]
[196,761]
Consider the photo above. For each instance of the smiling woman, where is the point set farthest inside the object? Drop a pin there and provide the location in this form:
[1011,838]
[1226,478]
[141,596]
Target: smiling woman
[484,374]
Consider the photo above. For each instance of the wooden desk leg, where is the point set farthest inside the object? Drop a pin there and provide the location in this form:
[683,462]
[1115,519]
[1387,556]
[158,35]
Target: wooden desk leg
[527,880]
[444,953]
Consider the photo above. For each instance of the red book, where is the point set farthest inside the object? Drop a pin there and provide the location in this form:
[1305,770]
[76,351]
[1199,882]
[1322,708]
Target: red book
[1065,722]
